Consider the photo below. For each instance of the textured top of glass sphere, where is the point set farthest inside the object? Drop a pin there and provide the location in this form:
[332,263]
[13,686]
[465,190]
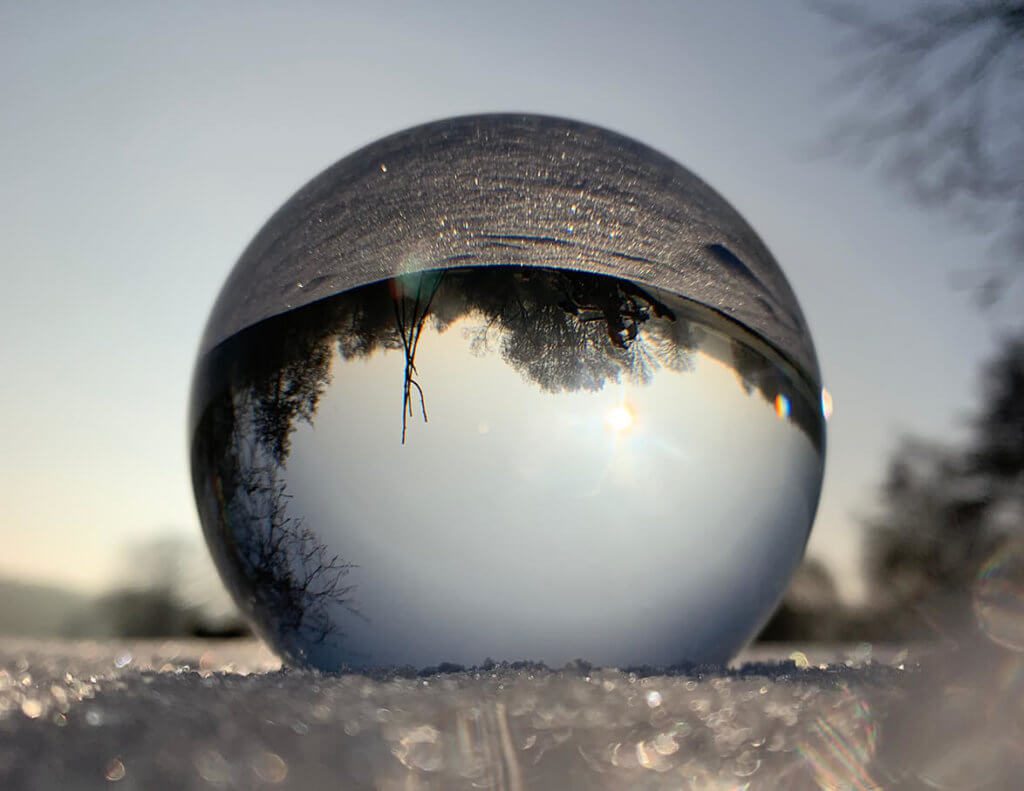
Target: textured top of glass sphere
[519,190]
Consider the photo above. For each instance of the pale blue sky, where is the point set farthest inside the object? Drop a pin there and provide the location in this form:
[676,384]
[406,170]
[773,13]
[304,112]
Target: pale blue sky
[142,145]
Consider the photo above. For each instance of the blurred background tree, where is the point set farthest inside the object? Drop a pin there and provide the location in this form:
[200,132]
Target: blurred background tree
[938,101]
[934,99]
[167,588]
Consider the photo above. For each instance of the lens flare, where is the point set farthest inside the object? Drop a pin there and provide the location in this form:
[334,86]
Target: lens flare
[999,596]
[840,745]
[826,403]
[782,406]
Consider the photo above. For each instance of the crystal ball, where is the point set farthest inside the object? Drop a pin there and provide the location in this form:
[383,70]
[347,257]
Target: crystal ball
[508,387]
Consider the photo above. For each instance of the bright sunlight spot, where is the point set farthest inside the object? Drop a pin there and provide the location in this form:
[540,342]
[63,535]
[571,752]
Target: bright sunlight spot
[619,419]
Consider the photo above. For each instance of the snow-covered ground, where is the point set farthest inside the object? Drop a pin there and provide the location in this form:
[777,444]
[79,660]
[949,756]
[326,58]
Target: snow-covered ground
[225,715]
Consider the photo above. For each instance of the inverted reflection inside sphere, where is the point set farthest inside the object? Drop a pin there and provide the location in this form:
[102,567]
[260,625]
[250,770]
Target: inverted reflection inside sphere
[541,395]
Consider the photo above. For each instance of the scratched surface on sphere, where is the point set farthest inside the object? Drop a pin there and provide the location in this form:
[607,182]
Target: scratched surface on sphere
[200,715]
[512,190]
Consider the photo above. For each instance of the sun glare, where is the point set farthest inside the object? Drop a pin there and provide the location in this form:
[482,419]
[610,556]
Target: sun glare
[619,418]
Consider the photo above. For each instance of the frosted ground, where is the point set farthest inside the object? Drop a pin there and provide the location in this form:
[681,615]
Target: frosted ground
[200,715]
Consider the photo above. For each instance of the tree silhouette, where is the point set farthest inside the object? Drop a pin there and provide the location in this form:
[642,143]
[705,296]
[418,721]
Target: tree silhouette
[938,98]
[412,297]
[289,395]
[282,574]
[289,570]
[999,426]
[560,330]
[565,331]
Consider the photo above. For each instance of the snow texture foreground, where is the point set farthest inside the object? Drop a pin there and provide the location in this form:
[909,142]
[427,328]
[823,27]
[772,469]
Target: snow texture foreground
[202,715]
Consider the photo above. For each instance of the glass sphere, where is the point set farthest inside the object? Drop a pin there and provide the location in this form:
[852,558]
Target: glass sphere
[506,387]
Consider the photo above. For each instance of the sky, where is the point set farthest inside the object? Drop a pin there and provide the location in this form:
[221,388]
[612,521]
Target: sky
[142,146]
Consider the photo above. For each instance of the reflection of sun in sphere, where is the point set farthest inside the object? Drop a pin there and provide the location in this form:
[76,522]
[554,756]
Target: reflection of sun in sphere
[619,419]
[409,416]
